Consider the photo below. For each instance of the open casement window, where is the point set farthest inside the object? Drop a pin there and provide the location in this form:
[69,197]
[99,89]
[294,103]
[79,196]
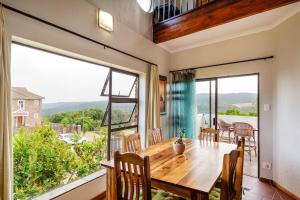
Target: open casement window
[124,85]
[121,115]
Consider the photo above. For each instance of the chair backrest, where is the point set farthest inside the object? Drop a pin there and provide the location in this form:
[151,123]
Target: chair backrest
[132,176]
[238,184]
[154,136]
[228,175]
[243,129]
[224,126]
[132,143]
[209,134]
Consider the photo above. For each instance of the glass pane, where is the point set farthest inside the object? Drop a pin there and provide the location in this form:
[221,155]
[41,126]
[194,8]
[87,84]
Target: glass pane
[121,113]
[116,140]
[203,107]
[57,115]
[213,103]
[123,84]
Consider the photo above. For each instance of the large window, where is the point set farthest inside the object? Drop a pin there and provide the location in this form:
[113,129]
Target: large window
[75,115]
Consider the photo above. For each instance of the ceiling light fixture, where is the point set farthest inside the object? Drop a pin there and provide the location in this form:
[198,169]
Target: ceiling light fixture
[105,20]
[146,5]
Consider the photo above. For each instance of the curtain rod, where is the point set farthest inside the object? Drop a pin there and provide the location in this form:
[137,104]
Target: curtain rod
[227,63]
[74,33]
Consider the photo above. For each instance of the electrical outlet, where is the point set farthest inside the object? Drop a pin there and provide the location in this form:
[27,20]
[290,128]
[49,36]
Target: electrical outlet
[267,165]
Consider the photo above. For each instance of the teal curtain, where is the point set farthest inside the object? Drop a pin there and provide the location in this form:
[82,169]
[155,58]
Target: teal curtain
[183,107]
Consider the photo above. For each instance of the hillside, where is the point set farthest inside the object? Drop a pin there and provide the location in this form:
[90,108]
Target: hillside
[52,108]
[225,101]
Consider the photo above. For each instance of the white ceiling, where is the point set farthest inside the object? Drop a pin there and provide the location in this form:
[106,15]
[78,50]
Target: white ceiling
[253,24]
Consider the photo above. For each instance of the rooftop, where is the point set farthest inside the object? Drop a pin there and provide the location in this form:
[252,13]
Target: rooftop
[23,93]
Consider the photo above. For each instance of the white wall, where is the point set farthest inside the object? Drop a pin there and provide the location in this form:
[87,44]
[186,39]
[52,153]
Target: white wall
[286,92]
[251,46]
[80,16]
[279,86]
[129,13]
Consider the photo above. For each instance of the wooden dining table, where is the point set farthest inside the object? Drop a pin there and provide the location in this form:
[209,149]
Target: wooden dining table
[192,174]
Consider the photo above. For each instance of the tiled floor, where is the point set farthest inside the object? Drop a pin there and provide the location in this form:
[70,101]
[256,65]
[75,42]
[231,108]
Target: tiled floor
[251,167]
[257,190]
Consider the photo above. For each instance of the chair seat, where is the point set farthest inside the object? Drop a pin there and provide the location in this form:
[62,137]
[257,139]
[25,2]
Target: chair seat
[215,194]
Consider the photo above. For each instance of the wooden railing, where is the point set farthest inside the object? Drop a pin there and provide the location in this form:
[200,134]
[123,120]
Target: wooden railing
[168,9]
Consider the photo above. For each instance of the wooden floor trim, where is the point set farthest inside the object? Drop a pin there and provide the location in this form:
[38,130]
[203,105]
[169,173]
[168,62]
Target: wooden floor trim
[279,187]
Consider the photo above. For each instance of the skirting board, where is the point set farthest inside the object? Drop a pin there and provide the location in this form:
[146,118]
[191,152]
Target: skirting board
[280,187]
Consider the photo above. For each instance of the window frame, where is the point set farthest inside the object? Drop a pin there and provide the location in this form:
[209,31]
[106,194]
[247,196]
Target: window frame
[120,99]
[121,72]
[23,104]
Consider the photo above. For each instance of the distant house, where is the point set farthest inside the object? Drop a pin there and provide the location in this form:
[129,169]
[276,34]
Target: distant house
[26,108]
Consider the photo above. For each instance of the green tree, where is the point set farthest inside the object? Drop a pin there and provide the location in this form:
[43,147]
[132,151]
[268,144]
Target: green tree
[65,122]
[41,161]
[233,111]
[90,155]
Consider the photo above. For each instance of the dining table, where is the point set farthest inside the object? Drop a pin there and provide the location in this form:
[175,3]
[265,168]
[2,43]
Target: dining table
[192,174]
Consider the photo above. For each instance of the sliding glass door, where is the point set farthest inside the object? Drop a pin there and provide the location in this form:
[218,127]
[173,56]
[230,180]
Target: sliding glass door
[226,102]
[206,103]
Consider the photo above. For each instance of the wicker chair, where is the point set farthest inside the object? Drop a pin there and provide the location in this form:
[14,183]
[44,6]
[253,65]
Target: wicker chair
[225,127]
[245,130]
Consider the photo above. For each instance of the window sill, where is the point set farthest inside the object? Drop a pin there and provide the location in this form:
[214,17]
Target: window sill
[71,186]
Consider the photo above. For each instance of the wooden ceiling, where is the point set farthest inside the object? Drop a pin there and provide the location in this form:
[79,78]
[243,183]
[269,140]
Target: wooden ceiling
[217,13]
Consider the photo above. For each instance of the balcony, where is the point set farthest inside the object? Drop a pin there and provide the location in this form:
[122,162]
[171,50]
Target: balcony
[176,18]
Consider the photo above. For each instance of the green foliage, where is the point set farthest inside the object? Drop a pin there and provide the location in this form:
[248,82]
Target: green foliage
[233,111]
[90,155]
[236,112]
[90,118]
[65,122]
[42,162]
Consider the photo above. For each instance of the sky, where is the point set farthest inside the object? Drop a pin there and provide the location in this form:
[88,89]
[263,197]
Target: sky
[245,84]
[62,79]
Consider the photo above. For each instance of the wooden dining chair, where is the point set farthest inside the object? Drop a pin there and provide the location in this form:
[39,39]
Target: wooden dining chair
[209,134]
[226,189]
[154,136]
[239,171]
[132,176]
[245,130]
[132,143]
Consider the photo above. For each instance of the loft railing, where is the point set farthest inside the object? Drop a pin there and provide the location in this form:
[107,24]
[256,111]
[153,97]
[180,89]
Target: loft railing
[168,9]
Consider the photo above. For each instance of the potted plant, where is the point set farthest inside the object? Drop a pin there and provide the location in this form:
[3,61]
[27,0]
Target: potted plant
[179,145]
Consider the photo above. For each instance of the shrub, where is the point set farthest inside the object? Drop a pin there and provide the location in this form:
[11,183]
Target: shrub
[233,111]
[42,162]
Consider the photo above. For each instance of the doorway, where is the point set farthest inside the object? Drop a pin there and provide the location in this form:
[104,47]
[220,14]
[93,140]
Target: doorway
[227,103]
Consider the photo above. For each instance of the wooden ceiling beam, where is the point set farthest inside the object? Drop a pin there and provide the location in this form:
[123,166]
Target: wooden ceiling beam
[214,14]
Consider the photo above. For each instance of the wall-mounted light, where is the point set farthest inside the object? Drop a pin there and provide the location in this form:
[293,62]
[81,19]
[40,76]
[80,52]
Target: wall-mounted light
[105,20]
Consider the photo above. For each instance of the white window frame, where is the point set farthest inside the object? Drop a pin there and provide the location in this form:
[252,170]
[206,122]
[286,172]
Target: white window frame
[19,106]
